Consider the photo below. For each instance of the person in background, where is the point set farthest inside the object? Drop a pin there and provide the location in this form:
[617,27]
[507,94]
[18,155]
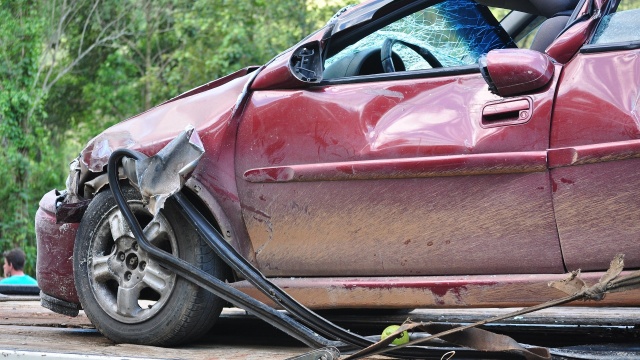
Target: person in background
[13,265]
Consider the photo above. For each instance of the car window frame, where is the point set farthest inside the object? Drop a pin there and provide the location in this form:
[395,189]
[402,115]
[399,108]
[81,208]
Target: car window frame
[337,43]
[589,48]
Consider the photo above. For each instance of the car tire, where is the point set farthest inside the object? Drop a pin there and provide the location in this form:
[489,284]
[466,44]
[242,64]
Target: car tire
[130,297]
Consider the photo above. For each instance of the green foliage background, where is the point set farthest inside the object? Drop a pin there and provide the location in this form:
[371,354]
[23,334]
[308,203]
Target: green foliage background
[71,68]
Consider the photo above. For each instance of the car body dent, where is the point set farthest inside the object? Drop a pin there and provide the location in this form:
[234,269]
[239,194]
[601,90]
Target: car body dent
[436,166]
[413,125]
[152,130]
[594,154]
[215,126]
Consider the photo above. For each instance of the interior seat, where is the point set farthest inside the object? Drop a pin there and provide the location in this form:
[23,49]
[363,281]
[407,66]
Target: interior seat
[548,31]
[557,12]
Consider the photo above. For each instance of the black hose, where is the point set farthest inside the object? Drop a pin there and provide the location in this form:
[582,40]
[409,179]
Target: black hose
[200,277]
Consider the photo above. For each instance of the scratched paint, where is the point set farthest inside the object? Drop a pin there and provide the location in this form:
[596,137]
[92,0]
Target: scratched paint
[333,228]
[437,166]
[597,211]
[432,292]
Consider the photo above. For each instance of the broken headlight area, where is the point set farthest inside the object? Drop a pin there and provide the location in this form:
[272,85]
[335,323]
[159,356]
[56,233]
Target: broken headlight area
[81,186]
[157,177]
[70,206]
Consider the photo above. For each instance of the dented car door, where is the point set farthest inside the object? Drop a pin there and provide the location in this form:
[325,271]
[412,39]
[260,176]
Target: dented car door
[402,173]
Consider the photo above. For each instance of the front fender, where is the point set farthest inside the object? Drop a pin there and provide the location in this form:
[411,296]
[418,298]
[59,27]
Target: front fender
[209,109]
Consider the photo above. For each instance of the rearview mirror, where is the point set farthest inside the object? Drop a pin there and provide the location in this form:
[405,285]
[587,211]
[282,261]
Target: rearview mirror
[515,71]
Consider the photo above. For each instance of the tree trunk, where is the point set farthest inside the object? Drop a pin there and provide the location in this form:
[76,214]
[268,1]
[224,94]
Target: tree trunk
[147,59]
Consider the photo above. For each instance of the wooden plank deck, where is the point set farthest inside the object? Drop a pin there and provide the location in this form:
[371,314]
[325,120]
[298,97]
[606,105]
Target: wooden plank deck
[25,326]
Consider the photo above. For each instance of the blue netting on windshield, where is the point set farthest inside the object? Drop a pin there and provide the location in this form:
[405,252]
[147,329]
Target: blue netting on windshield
[457,32]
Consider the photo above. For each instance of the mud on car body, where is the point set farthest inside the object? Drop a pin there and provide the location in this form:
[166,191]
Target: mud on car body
[408,154]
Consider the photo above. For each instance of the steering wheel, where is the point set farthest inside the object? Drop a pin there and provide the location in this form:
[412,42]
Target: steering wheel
[387,62]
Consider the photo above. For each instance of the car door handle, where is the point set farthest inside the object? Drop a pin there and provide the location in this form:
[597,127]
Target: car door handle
[509,112]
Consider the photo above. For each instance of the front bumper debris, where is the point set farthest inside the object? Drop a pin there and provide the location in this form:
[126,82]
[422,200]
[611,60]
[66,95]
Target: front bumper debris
[54,268]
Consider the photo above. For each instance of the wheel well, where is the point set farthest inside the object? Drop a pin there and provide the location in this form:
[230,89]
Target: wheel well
[99,183]
[193,198]
[202,207]
[196,201]
[204,210]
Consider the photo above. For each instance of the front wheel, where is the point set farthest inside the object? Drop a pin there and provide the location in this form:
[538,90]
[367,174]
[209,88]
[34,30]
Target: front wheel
[127,295]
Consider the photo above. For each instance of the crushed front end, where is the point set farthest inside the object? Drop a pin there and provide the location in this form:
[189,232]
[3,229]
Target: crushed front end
[208,108]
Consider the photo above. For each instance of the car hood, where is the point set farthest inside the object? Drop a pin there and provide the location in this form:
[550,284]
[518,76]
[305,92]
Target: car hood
[205,108]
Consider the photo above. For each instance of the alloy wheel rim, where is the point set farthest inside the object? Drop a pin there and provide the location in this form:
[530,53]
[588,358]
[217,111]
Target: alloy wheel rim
[128,285]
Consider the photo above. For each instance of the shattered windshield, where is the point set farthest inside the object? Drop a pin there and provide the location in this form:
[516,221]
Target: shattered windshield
[456,32]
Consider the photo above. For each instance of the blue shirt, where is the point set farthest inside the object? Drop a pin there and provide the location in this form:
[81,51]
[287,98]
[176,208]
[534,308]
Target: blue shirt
[19,280]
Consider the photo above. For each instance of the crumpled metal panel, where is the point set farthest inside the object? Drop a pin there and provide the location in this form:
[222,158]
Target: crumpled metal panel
[208,111]
[164,174]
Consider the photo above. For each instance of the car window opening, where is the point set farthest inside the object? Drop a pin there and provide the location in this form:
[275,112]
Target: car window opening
[457,33]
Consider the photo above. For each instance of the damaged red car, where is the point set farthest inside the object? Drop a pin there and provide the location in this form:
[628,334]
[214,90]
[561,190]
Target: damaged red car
[408,154]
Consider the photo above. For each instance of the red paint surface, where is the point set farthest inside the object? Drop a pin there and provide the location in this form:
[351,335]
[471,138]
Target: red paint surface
[54,268]
[277,75]
[597,212]
[598,101]
[563,48]
[394,141]
[437,166]
[595,145]
[518,71]
[210,113]
[168,121]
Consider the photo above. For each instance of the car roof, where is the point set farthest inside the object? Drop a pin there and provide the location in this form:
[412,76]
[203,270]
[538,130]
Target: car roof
[355,14]
[546,8]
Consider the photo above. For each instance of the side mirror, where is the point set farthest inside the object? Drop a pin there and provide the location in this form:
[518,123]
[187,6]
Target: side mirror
[306,63]
[292,70]
[515,71]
